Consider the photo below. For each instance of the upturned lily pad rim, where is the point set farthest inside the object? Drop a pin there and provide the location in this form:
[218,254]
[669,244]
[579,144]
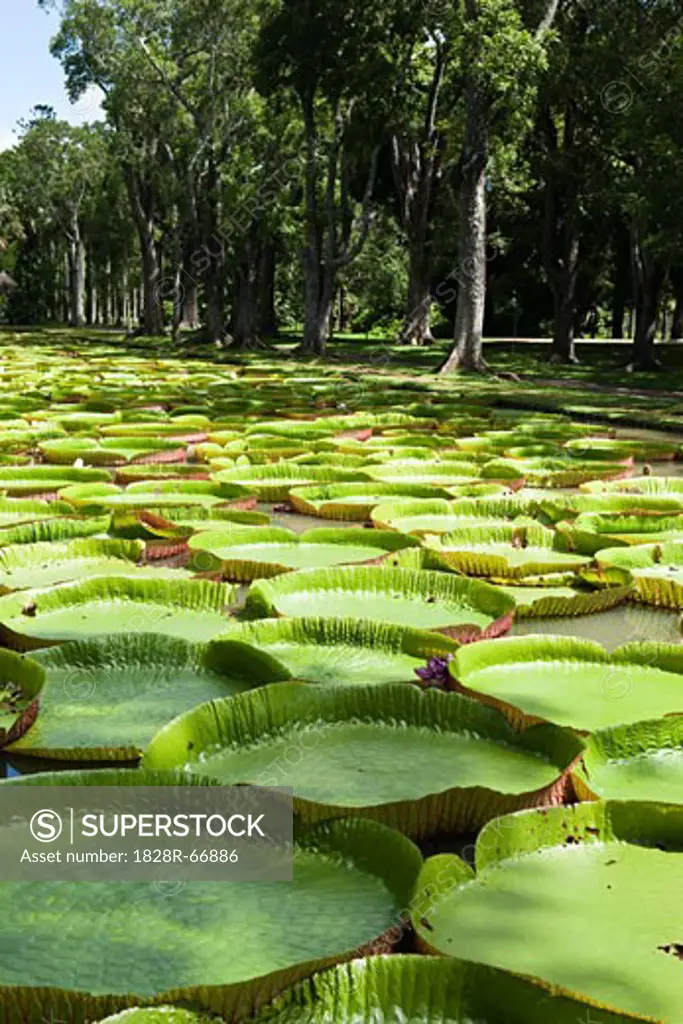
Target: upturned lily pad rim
[247,643]
[368,846]
[261,600]
[188,594]
[555,649]
[622,743]
[406,984]
[29,677]
[657,826]
[267,713]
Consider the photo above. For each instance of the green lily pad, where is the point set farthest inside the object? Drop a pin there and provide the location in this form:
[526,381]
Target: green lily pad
[274,482]
[594,891]
[24,566]
[23,481]
[111,497]
[406,597]
[643,761]
[652,486]
[190,609]
[217,946]
[433,517]
[159,1015]
[334,652]
[591,531]
[15,511]
[510,551]
[110,451]
[182,523]
[104,698]
[439,763]
[611,449]
[355,502]
[21,681]
[422,472]
[437,990]
[60,528]
[569,598]
[546,472]
[262,552]
[573,682]
[656,570]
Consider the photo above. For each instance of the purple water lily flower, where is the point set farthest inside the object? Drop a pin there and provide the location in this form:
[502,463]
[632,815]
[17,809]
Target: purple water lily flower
[435,673]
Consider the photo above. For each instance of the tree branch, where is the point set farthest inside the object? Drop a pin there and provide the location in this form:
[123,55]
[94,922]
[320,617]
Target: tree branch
[546,22]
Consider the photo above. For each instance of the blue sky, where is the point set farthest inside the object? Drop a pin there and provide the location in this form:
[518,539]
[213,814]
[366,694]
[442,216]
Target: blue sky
[29,75]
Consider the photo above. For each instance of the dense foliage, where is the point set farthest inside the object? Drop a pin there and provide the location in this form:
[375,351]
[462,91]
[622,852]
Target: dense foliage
[506,167]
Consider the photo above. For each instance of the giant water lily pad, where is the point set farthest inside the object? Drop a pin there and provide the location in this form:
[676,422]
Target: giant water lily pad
[668,487]
[24,481]
[433,990]
[261,552]
[406,597]
[573,682]
[555,472]
[426,517]
[21,681]
[643,761]
[159,1015]
[656,570]
[148,471]
[423,762]
[109,496]
[104,698]
[565,595]
[61,528]
[46,563]
[593,889]
[355,502]
[591,531]
[14,511]
[515,550]
[191,609]
[422,472]
[217,946]
[612,449]
[335,652]
[274,482]
[111,451]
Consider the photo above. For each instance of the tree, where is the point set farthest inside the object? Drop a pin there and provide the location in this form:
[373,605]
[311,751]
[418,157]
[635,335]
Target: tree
[71,162]
[344,62]
[418,144]
[501,60]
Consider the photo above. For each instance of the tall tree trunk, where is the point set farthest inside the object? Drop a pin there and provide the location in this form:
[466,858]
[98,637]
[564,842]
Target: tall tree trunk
[417,329]
[329,246]
[676,276]
[622,284]
[564,300]
[417,171]
[316,325]
[142,206]
[648,278]
[189,294]
[319,293]
[266,316]
[215,301]
[76,263]
[466,353]
[244,331]
[152,306]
